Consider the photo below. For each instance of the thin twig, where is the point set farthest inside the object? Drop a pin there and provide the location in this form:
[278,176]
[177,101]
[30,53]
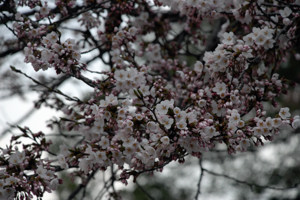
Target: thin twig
[144,191]
[251,185]
[200,180]
[22,119]
[47,87]
[82,186]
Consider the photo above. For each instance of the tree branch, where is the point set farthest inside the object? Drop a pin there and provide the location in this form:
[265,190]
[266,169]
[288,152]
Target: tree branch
[144,191]
[200,179]
[251,185]
[82,186]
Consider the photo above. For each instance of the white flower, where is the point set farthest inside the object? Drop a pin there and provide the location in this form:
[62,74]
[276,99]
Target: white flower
[41,171]
[257,131]
[276,122]
[210,132]
[235,117]
[120,75]
[181,74]
[131,74]
[154,137]
[58,48]
[111,99]
[104,142]
[261,69]
[76,55]
[120,85]
[181,116]
[145,89]
[286,21]
[64,150]
[69,42]
[152,126]
[115,53]
[269,43]
[44,11]
[17,158]
[241,124]
[243,145]
[103,103]
[139,79]
[165,140]
[269,123]
[100,156]
[52,37]
[54,184]
[143,156]
[268,32]
[128,141]
[266,131]
[28,51]
[191,117]
[128,151]
[198,67]
[246,89]
[248,39]
[166,121]
[129,123]
[62,161]
[150,151]
[285,12]
[275,18]
[284,113]
[99,124]
[260,123]
[132,31]
[217,109]
[164,106]
[228,38]
[139,117]
[296,122]
[260,39]
[19,17]
[181,124]
[202,103]
[220,88]
[46,41]
[232,127]
[46,55]
[256,31]
[176,110]
[84,165]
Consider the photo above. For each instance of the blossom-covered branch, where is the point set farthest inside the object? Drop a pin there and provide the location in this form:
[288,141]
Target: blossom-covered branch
[174,79]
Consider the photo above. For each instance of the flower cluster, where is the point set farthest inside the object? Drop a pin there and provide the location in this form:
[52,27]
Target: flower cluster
[25,173]
[53,54]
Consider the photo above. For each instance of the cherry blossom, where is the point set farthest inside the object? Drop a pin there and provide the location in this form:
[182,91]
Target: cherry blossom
[284,113]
